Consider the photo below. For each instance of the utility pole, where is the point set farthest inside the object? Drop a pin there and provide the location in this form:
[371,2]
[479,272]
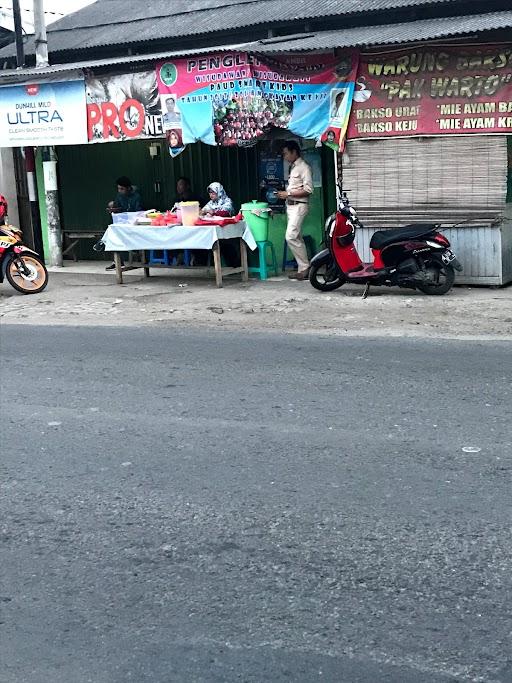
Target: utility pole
[49,154]
[41,40]
[28,151]
[18,33]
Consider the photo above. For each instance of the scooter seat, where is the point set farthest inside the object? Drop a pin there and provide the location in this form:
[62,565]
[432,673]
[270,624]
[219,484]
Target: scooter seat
[383,238]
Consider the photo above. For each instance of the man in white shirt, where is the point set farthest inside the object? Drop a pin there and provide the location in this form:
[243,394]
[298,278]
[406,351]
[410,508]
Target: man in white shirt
[297,194]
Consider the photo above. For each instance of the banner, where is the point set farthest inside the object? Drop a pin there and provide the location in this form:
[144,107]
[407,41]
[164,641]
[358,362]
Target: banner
[433,90]
[123,107]
[43,114]
[235,98]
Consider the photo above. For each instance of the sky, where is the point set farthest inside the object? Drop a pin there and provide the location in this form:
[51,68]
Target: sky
[54,9]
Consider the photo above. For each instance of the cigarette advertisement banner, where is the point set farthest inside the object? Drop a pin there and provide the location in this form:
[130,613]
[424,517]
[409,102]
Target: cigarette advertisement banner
[433,91]
[43,114]
[123,107]
[234,98]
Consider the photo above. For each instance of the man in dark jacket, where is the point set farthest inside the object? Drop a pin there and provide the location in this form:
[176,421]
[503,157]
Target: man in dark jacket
[127,199]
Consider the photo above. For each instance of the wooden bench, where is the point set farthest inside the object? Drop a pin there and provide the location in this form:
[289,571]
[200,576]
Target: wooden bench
[72,238]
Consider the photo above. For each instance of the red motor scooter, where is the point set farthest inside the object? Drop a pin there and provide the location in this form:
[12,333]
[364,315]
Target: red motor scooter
[416,256]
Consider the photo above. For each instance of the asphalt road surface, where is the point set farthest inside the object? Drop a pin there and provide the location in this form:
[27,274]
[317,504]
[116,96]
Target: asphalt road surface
[199,506]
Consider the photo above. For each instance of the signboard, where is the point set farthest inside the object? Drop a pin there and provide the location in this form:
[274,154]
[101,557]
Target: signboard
[235,98]
[271,172]
[43,114]
[123,107]
[433,90]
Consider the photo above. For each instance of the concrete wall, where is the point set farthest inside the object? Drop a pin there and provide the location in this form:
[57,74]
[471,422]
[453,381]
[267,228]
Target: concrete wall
[8,183]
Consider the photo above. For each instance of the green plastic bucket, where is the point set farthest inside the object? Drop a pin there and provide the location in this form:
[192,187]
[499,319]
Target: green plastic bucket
[257,222]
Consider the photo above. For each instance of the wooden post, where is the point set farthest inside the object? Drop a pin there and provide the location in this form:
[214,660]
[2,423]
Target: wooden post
[119,268]
[217,263]
[243,261]
[143,260]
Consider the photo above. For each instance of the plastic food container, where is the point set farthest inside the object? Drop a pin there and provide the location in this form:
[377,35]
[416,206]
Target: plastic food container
[189,212]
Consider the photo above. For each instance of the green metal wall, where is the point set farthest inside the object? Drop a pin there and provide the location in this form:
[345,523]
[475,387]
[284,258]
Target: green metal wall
[87,177]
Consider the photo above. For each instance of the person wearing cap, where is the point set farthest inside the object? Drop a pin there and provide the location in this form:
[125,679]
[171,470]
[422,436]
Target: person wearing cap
[297,194]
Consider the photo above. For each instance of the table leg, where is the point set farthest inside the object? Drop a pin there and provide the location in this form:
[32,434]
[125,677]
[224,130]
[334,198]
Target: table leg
[119,269]
[144,262]
[217,263]
[243,261]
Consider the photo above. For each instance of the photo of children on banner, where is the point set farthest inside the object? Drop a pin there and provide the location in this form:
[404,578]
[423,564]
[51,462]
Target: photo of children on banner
[242,117]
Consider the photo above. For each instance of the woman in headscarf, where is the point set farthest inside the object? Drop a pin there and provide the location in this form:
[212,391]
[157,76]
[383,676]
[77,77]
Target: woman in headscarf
[220,204]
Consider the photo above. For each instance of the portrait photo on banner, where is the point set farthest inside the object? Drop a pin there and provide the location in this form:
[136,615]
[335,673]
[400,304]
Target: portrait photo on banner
[171,115]
[174,137]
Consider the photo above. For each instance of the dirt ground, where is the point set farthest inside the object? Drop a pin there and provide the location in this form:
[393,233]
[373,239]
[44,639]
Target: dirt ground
[74,298]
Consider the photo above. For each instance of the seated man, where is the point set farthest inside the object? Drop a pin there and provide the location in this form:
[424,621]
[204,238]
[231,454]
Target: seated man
[127,199]
[184,193]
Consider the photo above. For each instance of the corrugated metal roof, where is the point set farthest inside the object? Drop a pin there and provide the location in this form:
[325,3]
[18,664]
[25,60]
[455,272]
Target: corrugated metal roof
[124,22]
[20,75]
[387,34]
[426,29]
[323,40]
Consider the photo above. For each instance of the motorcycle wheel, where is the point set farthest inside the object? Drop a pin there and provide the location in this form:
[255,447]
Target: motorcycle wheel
[442,276]
[27,283]
[325,277]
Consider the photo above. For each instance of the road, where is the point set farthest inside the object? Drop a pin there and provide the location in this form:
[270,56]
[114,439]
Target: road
[208,506]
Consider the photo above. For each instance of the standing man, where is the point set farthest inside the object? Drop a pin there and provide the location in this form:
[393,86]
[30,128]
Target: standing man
[297,193]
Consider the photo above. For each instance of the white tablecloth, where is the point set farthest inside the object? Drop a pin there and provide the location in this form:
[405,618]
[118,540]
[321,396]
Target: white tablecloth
[134,237]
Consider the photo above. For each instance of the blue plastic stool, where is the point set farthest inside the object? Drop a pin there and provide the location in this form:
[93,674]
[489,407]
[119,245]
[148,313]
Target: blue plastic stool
[310,248]
[263,269]
[162,260]
[165,258]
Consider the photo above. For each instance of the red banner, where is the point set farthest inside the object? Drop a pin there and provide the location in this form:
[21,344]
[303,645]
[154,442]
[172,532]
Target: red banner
[235,98]
[433,91]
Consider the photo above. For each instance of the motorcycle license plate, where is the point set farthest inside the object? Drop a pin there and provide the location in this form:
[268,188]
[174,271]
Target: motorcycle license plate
[448,256]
